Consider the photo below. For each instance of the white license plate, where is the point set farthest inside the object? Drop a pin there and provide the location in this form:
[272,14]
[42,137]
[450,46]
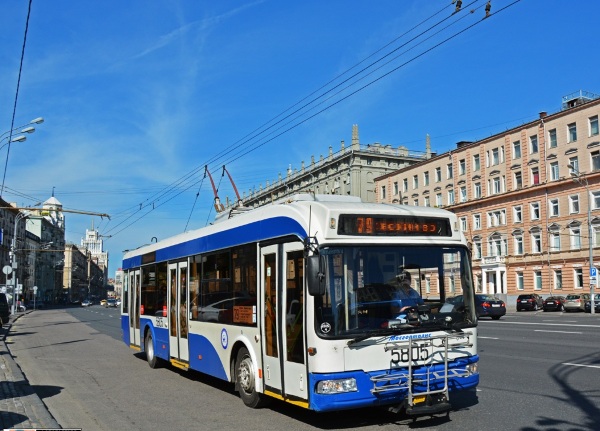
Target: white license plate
[495,305]
[523,302]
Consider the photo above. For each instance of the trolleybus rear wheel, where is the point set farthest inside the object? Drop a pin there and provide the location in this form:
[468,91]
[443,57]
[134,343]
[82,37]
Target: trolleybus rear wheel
[245,380]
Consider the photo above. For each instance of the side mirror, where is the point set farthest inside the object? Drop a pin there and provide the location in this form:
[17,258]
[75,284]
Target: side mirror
[314,275]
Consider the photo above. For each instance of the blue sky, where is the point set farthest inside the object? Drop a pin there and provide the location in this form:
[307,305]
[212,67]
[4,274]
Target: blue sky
[139,95]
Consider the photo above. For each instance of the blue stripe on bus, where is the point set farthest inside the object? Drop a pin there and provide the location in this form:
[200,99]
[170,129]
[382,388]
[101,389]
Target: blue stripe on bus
[256,231]
[204,357]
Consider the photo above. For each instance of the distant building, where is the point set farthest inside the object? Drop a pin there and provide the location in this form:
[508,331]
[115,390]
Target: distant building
[350,171]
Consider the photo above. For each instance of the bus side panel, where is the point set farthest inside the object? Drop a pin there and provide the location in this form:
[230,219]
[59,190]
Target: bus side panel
[160,337]
[204,357]
[125,328]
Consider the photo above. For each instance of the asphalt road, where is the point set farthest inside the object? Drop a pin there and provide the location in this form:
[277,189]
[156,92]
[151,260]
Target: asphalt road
[539,371]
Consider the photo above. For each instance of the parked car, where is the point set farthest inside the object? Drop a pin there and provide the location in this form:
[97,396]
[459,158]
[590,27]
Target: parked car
[530,301]
[554,303]
[485,305]
[4,309]
[103,302]
[86,303]
[111,303]
[20,306]
[588,304]
[576,301]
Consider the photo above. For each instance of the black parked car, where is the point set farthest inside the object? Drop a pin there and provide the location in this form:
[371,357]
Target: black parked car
[554,303]
[485,305]
[588,304]
[4,309]
[530,301]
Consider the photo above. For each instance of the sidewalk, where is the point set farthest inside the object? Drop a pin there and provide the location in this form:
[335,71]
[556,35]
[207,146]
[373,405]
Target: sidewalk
[20,406]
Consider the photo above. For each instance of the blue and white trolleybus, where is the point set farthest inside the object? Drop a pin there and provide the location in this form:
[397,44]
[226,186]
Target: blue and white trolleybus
[305,300]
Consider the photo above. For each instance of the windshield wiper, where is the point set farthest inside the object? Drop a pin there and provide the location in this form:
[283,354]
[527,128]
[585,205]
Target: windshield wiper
[379,332]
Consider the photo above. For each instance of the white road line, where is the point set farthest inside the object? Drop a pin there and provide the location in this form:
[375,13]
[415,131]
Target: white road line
[488,338]
[505,322]
[581,365]
[559,332]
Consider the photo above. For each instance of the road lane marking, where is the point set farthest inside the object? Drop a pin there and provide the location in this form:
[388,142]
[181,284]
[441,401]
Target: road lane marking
[504,322]
[555,332]
[488,338]
[581,365]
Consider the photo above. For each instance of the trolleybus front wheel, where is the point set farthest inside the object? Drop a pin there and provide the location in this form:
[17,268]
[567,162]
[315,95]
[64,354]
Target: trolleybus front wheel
[245,380]
[153,361]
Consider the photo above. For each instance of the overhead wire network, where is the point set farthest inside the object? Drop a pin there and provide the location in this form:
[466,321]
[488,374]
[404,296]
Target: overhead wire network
[335,91]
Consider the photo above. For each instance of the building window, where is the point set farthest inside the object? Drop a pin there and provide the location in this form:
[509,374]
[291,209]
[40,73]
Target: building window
[574,204]
[449,173]
[533,144]
[425,179]
[495,157]
[427,203]
[396,190]
[416,202]
[438,200]
[572,130]
[595,200]
[450,197]
[497,186]
[476,162]
[596,160]
[519,244]
[517,150]
[463,194]
[594,125]
[462,167]
[535,211]
[518,214]
[463,224]
[535,176]
[578,277]
[405,185]
[518,180]
[520,284]
[477,221]
[554,208]
[552,141]
[574,161]
[477,188]
[438,175]
[558,279]
[538,280]
[415,182]
[477,248]
[554,173]
[536,242]
[555,240]
[497,218]
[575,237]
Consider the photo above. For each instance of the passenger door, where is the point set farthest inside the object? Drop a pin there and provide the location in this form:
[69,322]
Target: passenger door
[178,312]
[134,308]
[283,335]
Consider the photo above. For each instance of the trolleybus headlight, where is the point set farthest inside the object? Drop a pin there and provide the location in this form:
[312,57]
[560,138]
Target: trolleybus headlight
[472,369]
[336,386]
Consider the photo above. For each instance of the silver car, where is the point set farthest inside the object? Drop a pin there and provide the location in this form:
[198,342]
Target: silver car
[576,301]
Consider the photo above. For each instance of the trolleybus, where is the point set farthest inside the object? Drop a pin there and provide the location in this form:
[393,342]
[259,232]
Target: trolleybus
[292,301]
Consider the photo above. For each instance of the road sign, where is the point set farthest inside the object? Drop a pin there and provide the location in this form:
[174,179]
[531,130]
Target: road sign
[7,269]
[593,271]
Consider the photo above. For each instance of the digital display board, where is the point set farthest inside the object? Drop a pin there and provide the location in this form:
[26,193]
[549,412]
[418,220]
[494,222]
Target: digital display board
[393,225]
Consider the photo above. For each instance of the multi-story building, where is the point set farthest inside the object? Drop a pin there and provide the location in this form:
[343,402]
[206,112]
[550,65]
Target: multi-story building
[350,171]
[83,277]
[522,197]
[95,245]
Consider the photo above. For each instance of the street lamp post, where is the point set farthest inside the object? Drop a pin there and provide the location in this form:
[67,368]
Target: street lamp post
[13,258]
[25,128]
[577,176]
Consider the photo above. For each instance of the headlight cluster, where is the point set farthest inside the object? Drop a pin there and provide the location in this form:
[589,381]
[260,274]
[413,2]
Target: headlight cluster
[336,386]
[472,369]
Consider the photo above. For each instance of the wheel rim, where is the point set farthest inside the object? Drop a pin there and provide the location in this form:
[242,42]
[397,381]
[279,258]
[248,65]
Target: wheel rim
[246,375]
[149,348]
